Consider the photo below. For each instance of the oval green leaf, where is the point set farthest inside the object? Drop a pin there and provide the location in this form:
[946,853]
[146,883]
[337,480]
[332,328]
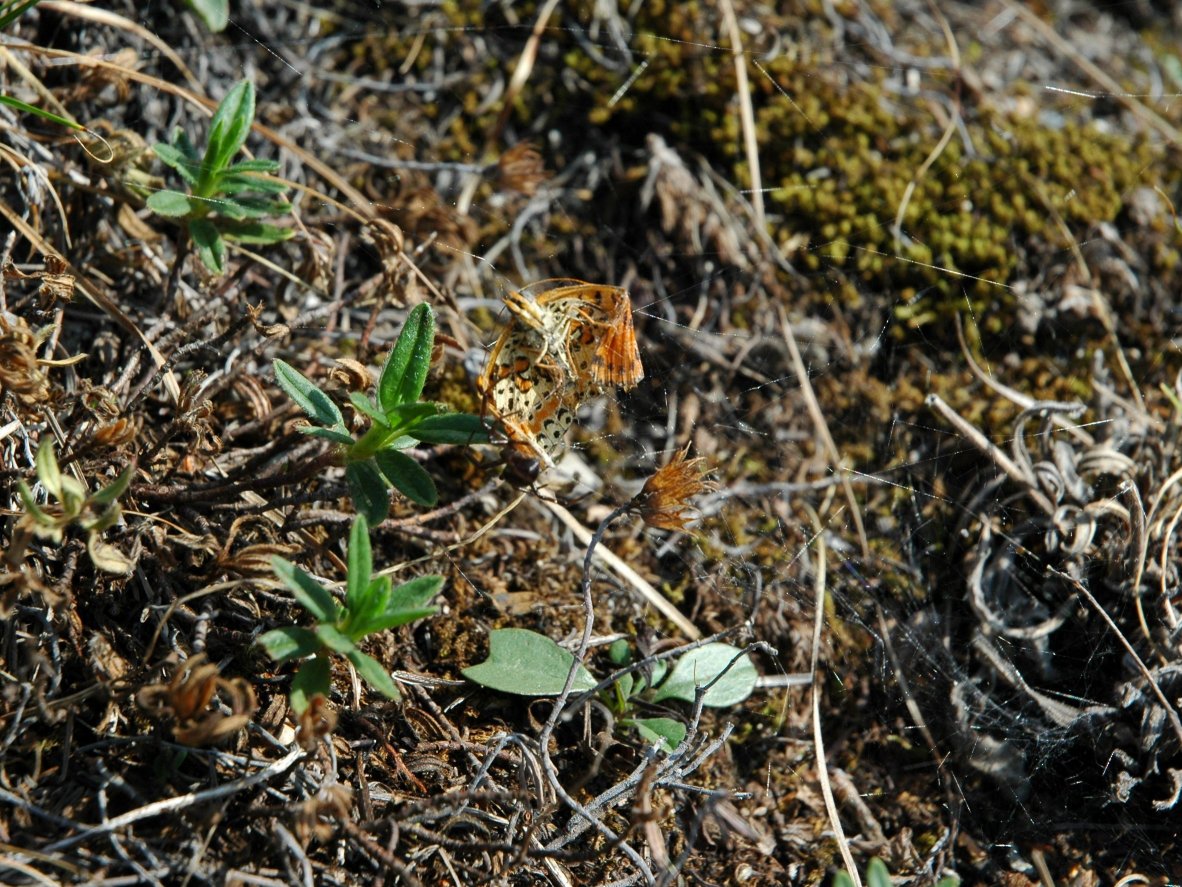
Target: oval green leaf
[408,477]
[312,679]
[289,642]
[307,396]
[699,667]
[526,663]
[406,368]
[311,595]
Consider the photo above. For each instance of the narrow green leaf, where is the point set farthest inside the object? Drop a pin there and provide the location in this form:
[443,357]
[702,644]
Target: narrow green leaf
[229,127]
[409,414]
[877,873]
[369,489]
[174,157]
[327,433]
[373,602]
[406,368]
[171,204]
[10,12]
[313,679]
[115,488]
[526,663]
[248,166]
[334,639]
[211,249]
[359,565]
[249,183]
[374,674]
[214,14]
[31,505]
[47,469]
[367,407]
[451,428]
[289,642]
[18,105]
[700,666]
[311,595]
[667,732]
[406,603]
[843,879]
[307,396]
[408,477]
[257,232]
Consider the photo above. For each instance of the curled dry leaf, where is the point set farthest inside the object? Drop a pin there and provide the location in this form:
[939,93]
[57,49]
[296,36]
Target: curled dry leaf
[331,802]
[522,169]
[186,698]
[20,371]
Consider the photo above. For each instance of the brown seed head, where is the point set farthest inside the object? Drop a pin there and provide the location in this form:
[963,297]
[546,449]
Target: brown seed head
[664,503]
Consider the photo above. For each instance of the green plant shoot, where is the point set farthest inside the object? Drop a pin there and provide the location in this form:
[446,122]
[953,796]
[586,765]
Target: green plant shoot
[224,200]
[94,513]
[398,419]
[372,604]
[526,663]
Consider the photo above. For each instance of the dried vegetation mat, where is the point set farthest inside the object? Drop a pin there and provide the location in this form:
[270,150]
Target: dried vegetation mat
[570,443]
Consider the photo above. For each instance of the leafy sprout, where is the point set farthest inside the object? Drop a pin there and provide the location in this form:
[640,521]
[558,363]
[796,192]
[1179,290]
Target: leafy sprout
[371,605]
[224,200]
[526,663]
[93,512]
[375,461]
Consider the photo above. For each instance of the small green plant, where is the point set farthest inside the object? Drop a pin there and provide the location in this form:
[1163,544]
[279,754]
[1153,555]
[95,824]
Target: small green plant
[374,462]
[93,513]
[225,201]
[878,875]
[526,663]
[371,605]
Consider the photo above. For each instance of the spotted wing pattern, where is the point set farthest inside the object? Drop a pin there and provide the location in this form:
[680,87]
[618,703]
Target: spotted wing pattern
[525,393]
[566,340]
[585,327]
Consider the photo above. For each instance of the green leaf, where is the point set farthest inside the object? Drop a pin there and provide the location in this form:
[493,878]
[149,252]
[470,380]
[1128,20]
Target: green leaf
[843,879]
[256,232]
[359,566]
[335,639]
[526,663]
[311,595]
[47,469]
[18,105]
[172,204]
[10,12]
[174,157]
[367,407]
[238,209]
[115,488]
[313,679]
[877,874]
[327,433]
[408,477]
[369,489]
[211,249]
[700,666]
[410,414]
[374,674]
[667,732]
[406,368]
[450,428]
[32,507]
[254,165]
[214,14]
[318,405]
[405,604]
[249,183]
[373,601]
[229,128]
[289,642]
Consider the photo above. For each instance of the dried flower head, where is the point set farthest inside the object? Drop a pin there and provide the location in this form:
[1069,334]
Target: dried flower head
[20,371]
[186,698]
[664,503]
[522,169]
[318,815]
